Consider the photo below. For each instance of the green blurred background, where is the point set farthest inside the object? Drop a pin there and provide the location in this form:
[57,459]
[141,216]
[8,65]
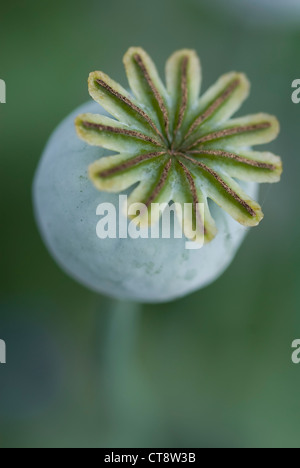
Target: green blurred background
[211,370]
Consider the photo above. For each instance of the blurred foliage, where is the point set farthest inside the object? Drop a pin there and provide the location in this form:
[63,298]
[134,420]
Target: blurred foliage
[210,370]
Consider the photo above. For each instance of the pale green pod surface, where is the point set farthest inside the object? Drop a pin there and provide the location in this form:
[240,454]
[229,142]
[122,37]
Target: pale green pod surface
[145,270]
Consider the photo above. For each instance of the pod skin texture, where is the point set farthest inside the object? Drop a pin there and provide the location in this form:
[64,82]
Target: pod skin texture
[143,270]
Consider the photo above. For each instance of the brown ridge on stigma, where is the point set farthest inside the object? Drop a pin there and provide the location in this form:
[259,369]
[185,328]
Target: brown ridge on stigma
[240,159]
[121,131]
[214,106]
[130,104]
[230,132]
[184,93]
[128,164]
[161,184]
[222,183]
[155,92]
[194,195]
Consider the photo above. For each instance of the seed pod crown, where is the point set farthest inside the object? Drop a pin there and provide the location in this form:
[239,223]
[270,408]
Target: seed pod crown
[175,145]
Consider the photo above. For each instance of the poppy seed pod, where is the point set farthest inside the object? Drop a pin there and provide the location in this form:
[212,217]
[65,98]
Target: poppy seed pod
[169,146]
